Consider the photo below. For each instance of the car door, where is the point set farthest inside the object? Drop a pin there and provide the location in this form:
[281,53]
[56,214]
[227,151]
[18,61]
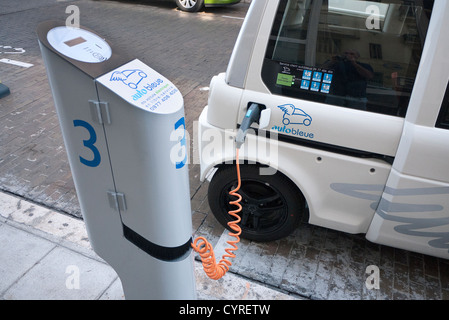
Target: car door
[414,210]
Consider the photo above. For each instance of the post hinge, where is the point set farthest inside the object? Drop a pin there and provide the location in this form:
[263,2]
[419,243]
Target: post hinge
[100,111]
[117,201]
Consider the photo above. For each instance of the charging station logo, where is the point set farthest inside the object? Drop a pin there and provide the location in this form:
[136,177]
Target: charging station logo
[293,115]
[131,78]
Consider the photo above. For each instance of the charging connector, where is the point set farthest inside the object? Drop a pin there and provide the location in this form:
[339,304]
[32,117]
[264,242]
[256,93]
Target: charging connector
[252,115]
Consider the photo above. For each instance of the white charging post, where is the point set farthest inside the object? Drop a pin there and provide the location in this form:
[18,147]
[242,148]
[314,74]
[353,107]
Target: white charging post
[124,131]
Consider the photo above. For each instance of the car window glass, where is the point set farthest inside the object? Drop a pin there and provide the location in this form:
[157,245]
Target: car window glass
[356,54]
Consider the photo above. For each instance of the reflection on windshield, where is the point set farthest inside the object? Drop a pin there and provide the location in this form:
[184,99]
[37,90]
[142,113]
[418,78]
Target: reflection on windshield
[372,49]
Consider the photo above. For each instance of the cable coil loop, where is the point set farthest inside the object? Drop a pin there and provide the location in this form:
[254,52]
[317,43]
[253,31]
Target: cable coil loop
[204,248]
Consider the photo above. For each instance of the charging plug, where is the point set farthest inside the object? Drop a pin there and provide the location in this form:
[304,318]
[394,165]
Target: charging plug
[252,115]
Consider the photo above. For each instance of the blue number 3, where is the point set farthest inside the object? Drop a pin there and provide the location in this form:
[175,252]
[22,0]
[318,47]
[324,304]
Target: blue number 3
[89,144]
[179,123]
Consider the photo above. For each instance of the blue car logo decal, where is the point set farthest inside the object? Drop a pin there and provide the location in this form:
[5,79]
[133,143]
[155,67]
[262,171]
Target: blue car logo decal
[131,78]
[293,115]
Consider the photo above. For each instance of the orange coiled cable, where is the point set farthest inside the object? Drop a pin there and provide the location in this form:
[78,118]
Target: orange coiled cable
[204,248]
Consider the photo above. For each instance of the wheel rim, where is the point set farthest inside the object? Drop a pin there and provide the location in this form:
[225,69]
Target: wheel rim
[264,209]
[188,3]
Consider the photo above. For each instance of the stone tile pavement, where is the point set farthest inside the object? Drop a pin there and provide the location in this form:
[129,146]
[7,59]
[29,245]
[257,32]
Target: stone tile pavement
[319,263]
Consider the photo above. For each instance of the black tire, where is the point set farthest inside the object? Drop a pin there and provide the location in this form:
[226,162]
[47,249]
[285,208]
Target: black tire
[190,5]
[272,204]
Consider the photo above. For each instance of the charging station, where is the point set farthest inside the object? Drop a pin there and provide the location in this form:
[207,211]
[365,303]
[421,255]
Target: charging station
[124,131]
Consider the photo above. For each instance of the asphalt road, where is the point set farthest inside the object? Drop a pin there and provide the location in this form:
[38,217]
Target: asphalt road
[189,49]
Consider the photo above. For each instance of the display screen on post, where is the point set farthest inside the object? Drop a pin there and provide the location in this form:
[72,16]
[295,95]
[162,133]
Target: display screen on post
[79,44]
[75,41]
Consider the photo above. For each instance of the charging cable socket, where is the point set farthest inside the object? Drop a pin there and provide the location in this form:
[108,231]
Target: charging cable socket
[256,113]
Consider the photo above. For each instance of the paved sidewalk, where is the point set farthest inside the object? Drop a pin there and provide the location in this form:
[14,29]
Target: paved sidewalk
[46,255]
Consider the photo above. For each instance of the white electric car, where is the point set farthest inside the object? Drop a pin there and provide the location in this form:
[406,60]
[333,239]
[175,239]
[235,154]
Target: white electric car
[353,132]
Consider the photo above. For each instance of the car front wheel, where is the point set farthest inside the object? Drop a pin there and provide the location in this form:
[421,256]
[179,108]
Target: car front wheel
[190,5]
[272,206]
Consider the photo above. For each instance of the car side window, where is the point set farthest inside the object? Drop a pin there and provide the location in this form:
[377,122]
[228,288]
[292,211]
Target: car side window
[355,54]
[443,118]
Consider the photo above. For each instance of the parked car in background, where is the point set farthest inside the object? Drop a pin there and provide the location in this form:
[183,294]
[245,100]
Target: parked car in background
[197,5]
